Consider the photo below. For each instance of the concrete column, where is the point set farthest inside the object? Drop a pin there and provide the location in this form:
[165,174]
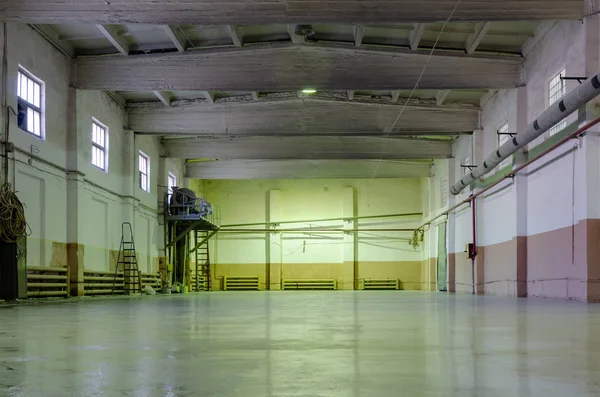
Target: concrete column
[350,246]
[75,199]
[274,243]
[521,198]
[478,158]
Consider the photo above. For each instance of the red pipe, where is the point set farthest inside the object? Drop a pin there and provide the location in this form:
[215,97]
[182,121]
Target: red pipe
[519,168]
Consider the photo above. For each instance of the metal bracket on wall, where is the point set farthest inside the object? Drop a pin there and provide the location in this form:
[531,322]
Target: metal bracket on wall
[579,79]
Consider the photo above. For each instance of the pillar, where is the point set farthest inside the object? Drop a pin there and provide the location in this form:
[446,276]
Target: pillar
[274,268]
[350,246]
[520,185]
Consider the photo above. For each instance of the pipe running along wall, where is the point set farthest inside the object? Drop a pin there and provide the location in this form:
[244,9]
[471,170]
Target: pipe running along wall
[554,114]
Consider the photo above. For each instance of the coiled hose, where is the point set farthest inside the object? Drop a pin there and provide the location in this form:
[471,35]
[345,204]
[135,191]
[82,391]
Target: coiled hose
[13,225]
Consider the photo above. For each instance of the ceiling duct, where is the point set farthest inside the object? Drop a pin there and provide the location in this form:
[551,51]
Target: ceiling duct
[584,93]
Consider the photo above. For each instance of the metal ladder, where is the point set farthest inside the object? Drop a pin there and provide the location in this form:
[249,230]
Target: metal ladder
[128,259]
[202,282]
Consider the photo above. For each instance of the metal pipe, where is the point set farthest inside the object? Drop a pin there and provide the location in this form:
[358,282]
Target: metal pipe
[327,220]
[584,93]
[474,230]
[311,230]
[511,174]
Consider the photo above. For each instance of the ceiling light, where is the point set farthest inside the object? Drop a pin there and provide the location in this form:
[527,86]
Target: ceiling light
[309,91]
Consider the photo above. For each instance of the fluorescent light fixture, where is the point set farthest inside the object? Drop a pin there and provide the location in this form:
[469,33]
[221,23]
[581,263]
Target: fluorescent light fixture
[309,91]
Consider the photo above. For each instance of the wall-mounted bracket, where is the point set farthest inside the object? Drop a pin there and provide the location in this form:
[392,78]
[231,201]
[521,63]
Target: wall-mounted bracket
[579,79]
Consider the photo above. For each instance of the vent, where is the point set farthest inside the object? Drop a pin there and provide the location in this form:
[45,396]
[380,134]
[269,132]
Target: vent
[324,284]
[101,283]
[380,284]
[241,283]
[47,281]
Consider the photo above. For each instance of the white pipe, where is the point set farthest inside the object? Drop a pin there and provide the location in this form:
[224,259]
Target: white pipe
[570,103]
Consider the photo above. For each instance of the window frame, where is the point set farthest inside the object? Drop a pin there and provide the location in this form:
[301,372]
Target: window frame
[144,173]
[104,149]
[173,177]
[502,139]
[22,102]
[554,98]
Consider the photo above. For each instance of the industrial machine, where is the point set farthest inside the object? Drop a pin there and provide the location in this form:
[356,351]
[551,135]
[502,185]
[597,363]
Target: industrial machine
[185,203]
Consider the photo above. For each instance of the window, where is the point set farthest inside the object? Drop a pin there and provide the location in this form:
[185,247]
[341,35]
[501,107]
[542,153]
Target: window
[30,91]
[172,182]
[144,167]
[466,161]
[100,145]
[557,88]
[502,139]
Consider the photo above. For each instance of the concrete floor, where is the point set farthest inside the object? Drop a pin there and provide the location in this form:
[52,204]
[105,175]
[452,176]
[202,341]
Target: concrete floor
[370,344]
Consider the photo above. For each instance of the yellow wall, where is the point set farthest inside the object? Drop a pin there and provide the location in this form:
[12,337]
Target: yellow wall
[314,255]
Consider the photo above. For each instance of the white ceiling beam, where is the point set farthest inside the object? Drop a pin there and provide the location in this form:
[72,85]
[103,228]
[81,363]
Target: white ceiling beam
[487,97]
[255,95]
[307,169]
[359,34]
[115,36]
[351,95]
[540,33]
[234,34]
[315,147]
[177,37]
[309,115]
[210,97]
[416,35]
[323,67]
[441,97]
[52,36]
[164,97]
[475,39]
[258,12]
[395,96]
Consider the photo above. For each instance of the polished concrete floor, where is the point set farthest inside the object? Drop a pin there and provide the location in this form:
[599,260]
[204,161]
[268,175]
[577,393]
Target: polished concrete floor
[370,344]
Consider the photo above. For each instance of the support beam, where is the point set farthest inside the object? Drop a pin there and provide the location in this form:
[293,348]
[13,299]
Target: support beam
[164,97]
[475,39]
[324,67]
[296,39]
[177,37]
[256,12]
[540,33]
[395,96]
[359,34]
[210,97]
[307,169]
[299,117]
[314,148]
[350,95]
[255,95]
[416,35]
[441,97]
[235,35]
[48,32]
[115,36]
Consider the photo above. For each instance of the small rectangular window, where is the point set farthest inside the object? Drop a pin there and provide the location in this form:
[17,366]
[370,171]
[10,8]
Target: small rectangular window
[502,139]
[466,161]
[172,182]
[557,88]
[100,145]
[30,92]
[144,168]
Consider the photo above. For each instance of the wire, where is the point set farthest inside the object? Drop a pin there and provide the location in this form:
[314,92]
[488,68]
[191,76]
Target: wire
[13,225]
[412,93]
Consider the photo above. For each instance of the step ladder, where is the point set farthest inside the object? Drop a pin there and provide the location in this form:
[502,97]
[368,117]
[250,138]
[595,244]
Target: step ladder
[127,261]
[202,279]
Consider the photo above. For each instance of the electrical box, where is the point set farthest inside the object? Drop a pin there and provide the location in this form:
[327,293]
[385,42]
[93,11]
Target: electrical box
[13,270]
[470,250]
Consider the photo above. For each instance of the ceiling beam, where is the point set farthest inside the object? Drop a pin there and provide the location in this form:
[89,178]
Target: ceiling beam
[441,97]
[115,36]
[252,12]
[177,37]
[314,148]
[255,95]
[164,97]
[540,33]
[350,95]
[292,68]
[299,116]
[359,34]
[475,39]
[48,32]
[395,96]
[416,35]
[307,169]
[235,35]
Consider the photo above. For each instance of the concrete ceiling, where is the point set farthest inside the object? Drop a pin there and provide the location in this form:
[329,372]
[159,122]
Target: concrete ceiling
[221,80]
[220,12]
